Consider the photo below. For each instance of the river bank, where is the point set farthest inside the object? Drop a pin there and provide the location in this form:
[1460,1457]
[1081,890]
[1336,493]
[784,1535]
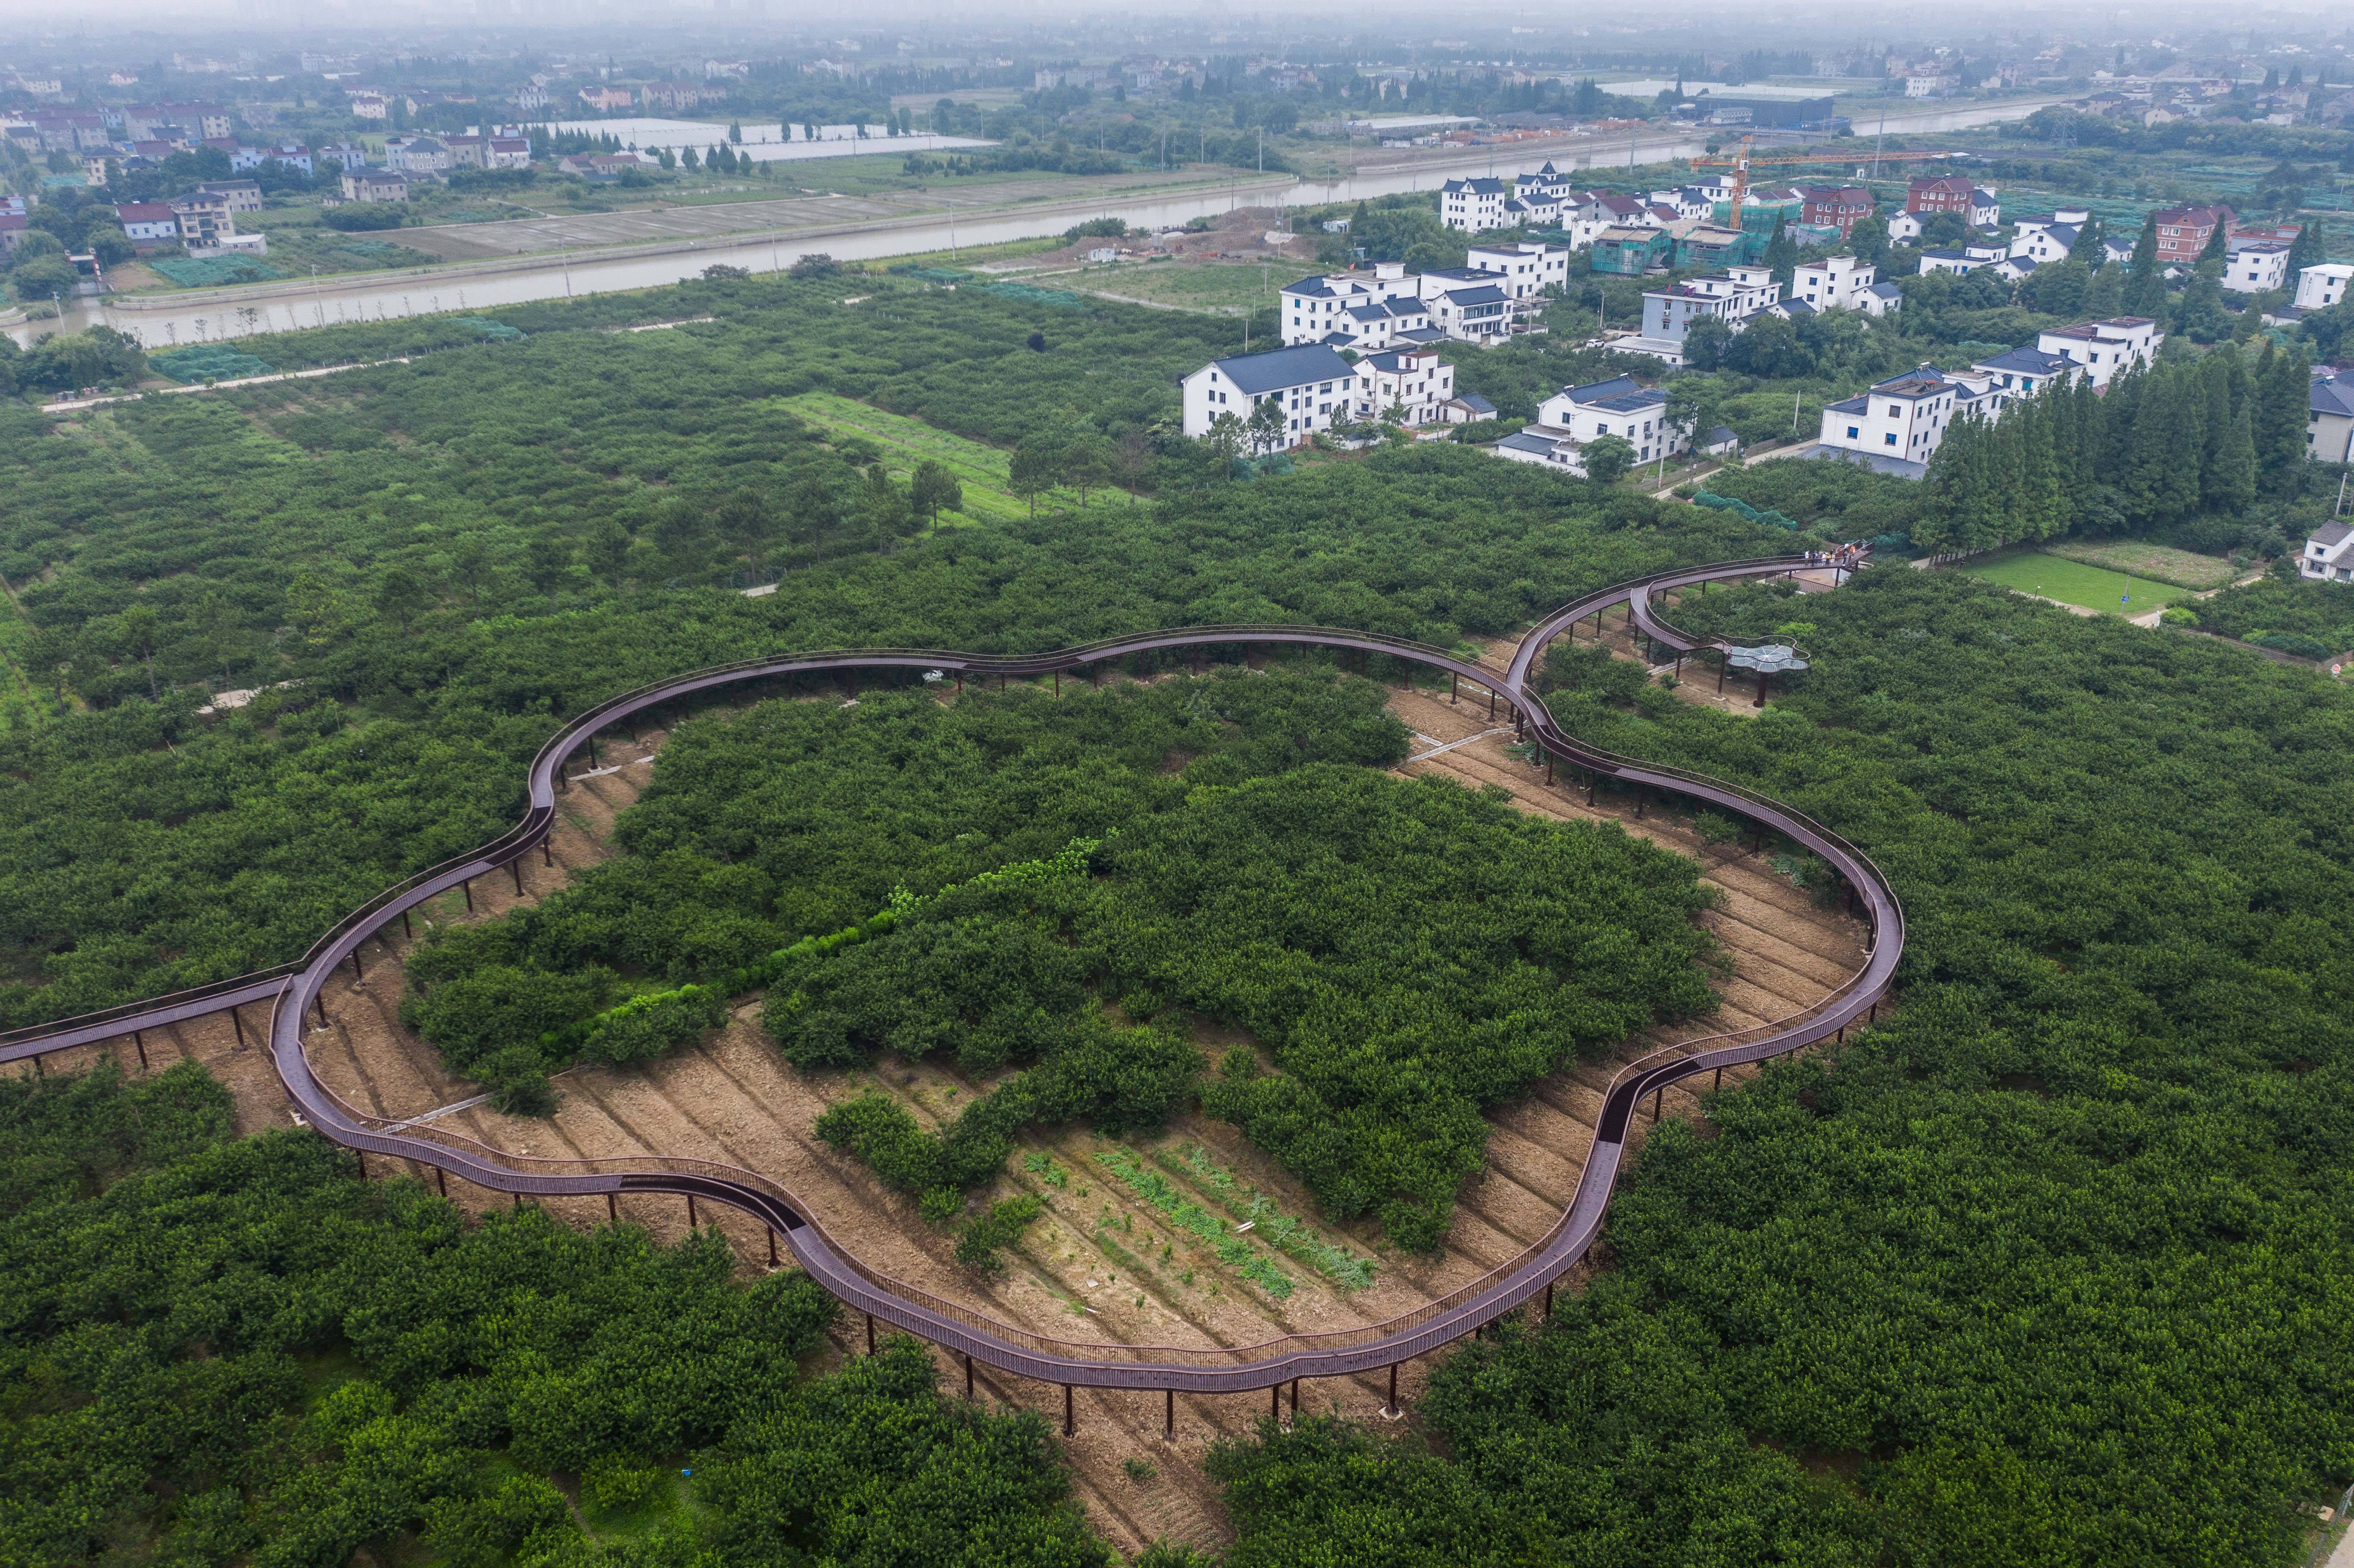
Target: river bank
[161,321]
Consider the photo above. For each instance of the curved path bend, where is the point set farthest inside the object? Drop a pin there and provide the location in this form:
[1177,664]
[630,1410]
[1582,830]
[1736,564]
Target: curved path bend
[297,989]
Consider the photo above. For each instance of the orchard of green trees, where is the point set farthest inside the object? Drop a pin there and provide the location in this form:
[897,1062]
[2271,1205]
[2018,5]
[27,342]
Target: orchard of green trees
[2050,1267]
[441,557]
[225,1350]
[1409,954]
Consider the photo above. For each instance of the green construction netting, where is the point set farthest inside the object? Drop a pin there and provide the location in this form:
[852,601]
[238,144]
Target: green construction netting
[1032,295]
[1732,503]
[211,361]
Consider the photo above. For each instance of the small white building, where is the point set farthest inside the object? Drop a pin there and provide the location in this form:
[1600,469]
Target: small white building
[2105,349]
[1473,206]
[2329,418]
[419,155]
[2328,555]
[1903,227]
[1308,386]
[1961,259]
[1476,313]
[2049,237]
[1525,271]
[1314,308]
[1898,424]
[2318,288]
[1547,449]
[375,185]
[2257,267]
[1618,407]
[1733,296]
[147,222]
[1413,379]
[2023,372]
[1844,283]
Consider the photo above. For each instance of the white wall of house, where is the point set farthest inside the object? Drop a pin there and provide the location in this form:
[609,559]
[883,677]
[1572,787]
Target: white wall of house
[1835,283]
[2318,288]
[1522,271]
[2105,349]
[1894,422]
[2257,269]
[1307,408]
[1644,427]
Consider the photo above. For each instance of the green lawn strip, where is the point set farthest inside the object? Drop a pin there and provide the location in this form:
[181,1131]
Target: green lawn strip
[1295,1239]
[1213,288]
[1188,1215]
[980,469]
[2073,582]
[2167,565]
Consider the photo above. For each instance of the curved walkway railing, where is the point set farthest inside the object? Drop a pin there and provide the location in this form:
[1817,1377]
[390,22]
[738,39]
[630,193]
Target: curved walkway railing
[298,988]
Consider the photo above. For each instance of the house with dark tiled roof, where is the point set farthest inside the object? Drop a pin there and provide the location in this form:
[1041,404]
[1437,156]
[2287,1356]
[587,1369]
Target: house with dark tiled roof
[2328,556]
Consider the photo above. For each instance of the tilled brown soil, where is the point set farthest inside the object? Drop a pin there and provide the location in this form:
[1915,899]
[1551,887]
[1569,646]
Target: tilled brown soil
[1104,1264]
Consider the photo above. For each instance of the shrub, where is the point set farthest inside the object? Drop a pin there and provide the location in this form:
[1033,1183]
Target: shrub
[618,1484]
[363,218]
[1001,1228]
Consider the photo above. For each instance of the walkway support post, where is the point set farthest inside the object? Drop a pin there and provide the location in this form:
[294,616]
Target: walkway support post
[469,886]
[772,1246]
[1390,1411]
[237,1019]
[613,1211]
[870,1333]
[968,1376]
[1070,1426]
[691,1223]
[139,1040]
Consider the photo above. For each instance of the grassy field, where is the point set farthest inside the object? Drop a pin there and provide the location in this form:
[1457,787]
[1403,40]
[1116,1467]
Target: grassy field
[2074,582]
[1212,288]
[980,469]
[2164,565]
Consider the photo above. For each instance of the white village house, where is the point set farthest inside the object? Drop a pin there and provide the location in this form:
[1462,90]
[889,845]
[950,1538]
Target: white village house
[1309,384]
[1896,425]
[1313,388]
[1844,283]
[1473,206]
[2105,349]
[2328,554]
[2318,288]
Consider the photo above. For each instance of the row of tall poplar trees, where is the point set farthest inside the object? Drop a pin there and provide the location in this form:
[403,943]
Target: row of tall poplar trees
[2164,444]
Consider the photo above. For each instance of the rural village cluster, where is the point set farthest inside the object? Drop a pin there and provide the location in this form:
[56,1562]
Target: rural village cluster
[1359,345]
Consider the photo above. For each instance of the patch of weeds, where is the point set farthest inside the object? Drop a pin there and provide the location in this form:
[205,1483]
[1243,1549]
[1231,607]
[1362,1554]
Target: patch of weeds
[1294,1238]
[1190,1216]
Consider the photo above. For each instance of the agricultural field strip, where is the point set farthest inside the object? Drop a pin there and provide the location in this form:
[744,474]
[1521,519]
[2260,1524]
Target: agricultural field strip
[982,469]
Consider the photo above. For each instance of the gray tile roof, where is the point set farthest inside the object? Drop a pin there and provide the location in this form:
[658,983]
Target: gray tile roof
[1593,391]
[2027,361]
[1253,374]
